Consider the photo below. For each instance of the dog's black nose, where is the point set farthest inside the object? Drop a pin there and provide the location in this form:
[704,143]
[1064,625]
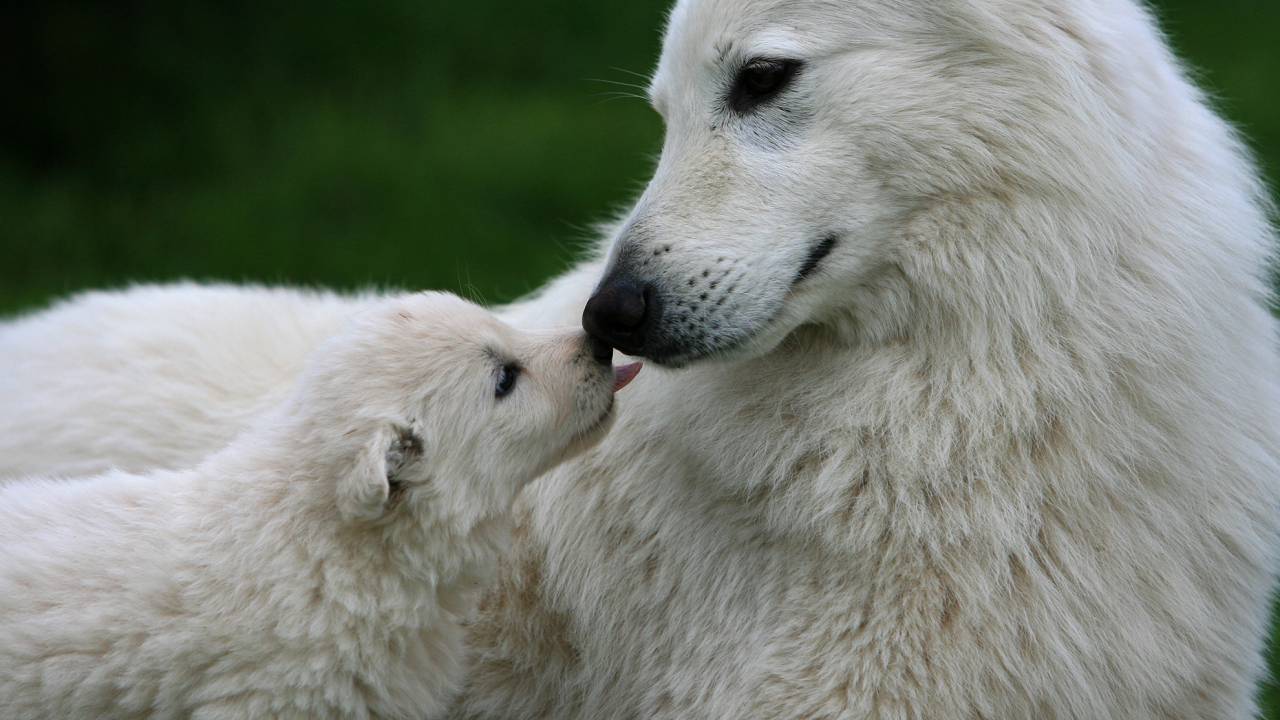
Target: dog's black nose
[619,313]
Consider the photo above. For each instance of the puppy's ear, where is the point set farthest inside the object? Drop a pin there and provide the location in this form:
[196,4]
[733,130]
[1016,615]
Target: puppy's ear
[364,492]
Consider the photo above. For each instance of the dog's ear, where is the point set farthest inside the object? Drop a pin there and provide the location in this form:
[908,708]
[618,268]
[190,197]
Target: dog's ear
[364,492]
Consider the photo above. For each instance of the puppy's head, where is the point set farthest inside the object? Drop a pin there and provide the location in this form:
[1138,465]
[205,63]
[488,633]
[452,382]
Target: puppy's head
[430,400]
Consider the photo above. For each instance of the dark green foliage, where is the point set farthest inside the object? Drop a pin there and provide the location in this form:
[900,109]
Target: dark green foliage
[415,143]
[335,143]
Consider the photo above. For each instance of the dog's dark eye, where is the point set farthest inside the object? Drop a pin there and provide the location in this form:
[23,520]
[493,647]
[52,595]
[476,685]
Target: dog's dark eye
[507,376]
[761,80]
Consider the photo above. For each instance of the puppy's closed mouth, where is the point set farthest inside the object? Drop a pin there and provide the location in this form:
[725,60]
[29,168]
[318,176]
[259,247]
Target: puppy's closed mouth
[622,377]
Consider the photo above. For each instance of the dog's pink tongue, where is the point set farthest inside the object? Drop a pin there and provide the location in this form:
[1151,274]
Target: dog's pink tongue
[624,374]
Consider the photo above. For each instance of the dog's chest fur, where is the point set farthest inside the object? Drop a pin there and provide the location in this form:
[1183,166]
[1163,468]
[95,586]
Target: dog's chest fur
[882,567]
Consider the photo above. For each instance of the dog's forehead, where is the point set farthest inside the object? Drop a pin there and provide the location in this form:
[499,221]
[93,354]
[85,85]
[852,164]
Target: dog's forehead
[438,329]
[479,331]
[700,35]
[703,36]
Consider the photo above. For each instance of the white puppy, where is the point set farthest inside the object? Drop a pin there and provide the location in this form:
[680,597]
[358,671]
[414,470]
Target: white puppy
[322,564]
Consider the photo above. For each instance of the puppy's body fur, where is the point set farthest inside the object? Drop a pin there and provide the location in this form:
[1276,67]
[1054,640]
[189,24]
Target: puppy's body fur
[321,566]
[221,593]
[1012,450]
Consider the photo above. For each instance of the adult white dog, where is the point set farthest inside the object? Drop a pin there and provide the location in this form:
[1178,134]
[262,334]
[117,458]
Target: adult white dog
[994,430]
[322,564]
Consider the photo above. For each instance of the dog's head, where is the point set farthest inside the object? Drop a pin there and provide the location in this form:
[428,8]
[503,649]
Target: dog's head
[429,397]
[802,138]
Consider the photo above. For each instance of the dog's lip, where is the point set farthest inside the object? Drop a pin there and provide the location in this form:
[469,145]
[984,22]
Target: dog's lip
[631,343]
[817,254]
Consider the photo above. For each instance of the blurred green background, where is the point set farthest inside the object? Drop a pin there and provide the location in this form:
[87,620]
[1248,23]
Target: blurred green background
[468,146]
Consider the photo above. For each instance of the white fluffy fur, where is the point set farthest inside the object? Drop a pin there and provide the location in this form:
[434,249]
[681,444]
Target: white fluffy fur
[152,358]
[319,566]
[1012,451]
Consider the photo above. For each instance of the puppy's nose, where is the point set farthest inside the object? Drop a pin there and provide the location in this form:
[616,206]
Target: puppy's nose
[618,313]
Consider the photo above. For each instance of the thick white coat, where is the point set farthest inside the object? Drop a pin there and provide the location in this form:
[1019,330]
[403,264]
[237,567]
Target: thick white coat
[1012,451]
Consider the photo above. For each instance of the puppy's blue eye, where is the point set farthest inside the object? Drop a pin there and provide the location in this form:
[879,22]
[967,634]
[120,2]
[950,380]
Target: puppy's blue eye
[507,377]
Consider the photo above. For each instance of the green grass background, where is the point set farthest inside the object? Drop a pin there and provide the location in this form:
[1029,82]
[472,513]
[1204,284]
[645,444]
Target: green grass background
[415,143]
